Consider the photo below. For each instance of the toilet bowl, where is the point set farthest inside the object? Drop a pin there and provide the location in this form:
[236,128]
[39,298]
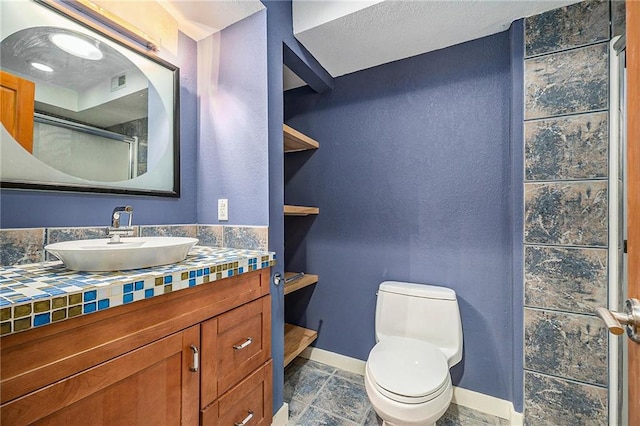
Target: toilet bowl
[408,382]
[419,337]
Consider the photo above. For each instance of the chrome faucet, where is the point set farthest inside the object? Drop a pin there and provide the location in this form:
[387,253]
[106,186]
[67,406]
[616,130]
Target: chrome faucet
[115,231]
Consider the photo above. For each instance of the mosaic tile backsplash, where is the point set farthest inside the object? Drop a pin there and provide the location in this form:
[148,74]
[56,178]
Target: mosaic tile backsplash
[37,294]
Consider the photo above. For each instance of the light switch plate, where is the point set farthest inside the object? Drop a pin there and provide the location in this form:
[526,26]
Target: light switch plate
[223,209]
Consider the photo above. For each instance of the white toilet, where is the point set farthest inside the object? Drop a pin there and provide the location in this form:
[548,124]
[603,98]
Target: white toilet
[419,337]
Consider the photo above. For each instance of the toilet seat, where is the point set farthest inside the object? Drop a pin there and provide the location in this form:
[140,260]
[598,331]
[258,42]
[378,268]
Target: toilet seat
[408,370]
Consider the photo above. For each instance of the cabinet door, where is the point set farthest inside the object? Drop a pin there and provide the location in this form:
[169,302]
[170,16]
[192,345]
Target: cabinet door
[233,345]
[152,385]
[248,403]
[17,98]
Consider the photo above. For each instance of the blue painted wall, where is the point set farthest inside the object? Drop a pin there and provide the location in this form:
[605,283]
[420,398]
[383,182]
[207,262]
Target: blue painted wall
[24,209]
[280,40]
[233,140]
[516,34]
[413,182]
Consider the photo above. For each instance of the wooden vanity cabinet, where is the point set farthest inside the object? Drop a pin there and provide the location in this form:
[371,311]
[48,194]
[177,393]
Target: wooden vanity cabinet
[136,365]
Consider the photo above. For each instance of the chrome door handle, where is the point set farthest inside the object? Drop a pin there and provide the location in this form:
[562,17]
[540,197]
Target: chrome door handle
[630,318]
[196,359]
[244,345]
[246,419]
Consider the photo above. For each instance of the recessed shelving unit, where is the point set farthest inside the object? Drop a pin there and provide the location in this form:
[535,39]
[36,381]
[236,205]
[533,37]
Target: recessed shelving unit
[300,210]
[296,340]
[295,141]
[304,281]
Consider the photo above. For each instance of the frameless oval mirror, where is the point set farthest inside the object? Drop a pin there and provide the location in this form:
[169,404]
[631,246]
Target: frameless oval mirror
[83,111]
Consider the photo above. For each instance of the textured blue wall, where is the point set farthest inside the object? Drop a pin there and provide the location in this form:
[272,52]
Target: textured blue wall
[413,182]
[23,209]
[516,34]
[233,141]
[280,39]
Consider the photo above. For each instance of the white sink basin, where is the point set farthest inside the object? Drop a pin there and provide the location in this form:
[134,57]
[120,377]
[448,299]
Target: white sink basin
[130,253]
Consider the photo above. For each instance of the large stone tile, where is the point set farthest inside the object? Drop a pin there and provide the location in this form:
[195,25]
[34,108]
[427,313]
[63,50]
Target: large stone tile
[189,231]
[314,416]
[303,384]
[566,27]
[566,345]
[296,408]
[458,415]
[568,82]
[372,419]
[354,377]
[618,18]
[567,147]
[246,237]
[21,246]
[345,397]
[566,279]
[57,235]
[210,235]
[304,363]
[573,213]
[549,401]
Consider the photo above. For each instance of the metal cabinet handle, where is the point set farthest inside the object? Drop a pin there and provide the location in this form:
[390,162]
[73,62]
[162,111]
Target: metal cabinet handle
[196,359]
[246,419]
[244,345]
[630,318]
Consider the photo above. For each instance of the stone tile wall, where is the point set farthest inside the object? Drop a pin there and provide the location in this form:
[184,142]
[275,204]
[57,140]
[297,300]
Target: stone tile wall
[26,245]
[566,214]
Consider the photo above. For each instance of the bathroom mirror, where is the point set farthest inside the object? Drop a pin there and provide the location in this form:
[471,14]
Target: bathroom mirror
[83,110]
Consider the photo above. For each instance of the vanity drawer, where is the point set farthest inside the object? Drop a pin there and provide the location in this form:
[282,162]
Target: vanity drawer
[233,345]
[250,401]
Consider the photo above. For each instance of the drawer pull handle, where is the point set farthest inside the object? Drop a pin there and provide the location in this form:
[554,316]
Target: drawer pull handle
[246,419]
[196,359]
[244,345]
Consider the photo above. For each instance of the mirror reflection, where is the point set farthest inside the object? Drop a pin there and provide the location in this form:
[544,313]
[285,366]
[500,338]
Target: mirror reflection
[83,109]
[90,103]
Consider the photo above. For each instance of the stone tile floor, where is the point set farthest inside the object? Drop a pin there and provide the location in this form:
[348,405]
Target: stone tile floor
[319,394]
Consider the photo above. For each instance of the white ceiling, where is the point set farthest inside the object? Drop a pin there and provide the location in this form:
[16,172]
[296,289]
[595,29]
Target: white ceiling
[348,36]
[351,35]
[201,18]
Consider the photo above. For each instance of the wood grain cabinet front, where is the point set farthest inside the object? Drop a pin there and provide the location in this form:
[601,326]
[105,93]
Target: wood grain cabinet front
[152,385]
[247,403]
[233,345]
[147,363]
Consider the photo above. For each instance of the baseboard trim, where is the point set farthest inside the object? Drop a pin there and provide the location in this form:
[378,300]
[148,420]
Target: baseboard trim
[281,418]
[477,401]
[333,359]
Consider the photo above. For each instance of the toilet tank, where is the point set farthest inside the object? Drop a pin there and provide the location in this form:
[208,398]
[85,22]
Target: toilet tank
[423,312]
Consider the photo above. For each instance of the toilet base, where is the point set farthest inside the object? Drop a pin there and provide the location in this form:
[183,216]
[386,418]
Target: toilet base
[395,413]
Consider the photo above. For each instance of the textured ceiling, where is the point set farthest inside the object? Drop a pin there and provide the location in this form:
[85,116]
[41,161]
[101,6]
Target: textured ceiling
[201,18]
[357,35]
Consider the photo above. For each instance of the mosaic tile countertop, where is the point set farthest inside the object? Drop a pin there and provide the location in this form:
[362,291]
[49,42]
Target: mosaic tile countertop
[42,293]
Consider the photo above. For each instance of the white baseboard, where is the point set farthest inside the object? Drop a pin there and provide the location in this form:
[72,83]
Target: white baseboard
[281,418]
[333,359]
[477,401]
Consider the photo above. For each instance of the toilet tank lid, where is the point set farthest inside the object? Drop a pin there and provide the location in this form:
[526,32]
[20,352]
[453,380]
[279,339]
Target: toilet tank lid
[418,290]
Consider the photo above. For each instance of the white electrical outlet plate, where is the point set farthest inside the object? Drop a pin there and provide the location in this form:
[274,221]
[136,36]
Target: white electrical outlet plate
[223,209]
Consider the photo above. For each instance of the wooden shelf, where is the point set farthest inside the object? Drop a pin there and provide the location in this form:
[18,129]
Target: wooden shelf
[300,210]
[303,281]
[295,141]
[296,340]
